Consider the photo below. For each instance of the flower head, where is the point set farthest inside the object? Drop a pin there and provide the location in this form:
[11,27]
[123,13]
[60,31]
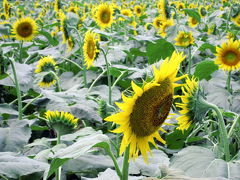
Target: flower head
[104,15]
[184,39]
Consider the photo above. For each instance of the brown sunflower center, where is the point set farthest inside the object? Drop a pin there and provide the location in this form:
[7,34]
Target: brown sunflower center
[151,109]
[25,29]
[194,21]
[105,16]
[231,58]
[139,10]
[90,49]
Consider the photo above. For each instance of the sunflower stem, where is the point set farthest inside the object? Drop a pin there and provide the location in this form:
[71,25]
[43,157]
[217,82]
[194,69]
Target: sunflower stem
[116,81]
[19,96]
[189,60]
[25,107]
[237,119]
[20,51]
[108,77]
[228,19]
[58,172]
[125,164]
[76,64]
[222,129]
[100,75]
[57,79]
[229,82]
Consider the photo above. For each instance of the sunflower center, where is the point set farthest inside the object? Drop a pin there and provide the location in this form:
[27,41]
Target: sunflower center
[105,16]
[231,58]
[194,21]
[48,78]
[25,29]
[90,49]
[48,67]
[151,109]
[139,10]
[185,39]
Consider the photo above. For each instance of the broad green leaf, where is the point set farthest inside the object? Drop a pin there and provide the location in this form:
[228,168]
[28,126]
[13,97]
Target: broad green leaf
[204,69]
[208,46]
[15,166]
[161,49]
[49,37]
[55,164]
[198,162]
[137,52]
[7,109]
[194,14]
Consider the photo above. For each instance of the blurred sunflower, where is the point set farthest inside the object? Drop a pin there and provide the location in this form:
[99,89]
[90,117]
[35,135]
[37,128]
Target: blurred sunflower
[202,11]
[24,29]
[138,10]
[236,20]
[164,26]
[46,64]
[6,8]
[211,29]
[73,9]
[104,15]
[184,39]
[90,48]
[143,114]
[180,6]
[163,9]
[157,22]
[62,122]
[63,27]
[188,105]
[57,5]
[228,55]
[127,12]
[148,26]
[192,22]
[70,44]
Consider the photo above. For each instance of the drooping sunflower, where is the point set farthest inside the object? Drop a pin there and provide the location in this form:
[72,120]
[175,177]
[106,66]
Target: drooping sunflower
[62,122]
[90,48]
[184,39]
[73,9]
[188,105]
[164,26]
[228,55]
[192,22]
[138,10]
[236,20]
[104,15]
[25,29]
[143,114]
[46,64]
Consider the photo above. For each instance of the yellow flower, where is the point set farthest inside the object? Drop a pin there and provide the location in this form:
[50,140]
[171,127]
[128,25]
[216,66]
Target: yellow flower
[6,8]
[228,55]
[63,27]
[138,10]
[90,48]
[73,9]
[46,64]
[62,122]
[148,26]
[127,12]
[24,29]
[202,11]
[143,114]
[192,22]
[211,29]
[236,20]
[180,6]
[104,15]
[70,44]
[184,39]
[163,9]
[188,115]
[158,21]
[164,27]
[57,5]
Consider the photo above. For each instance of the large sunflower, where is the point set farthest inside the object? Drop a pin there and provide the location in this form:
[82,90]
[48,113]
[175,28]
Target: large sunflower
[24,29]
[104,15]
[90,48]
[228,55]
[143,114]
[46,64]
[184,39]
[188,116]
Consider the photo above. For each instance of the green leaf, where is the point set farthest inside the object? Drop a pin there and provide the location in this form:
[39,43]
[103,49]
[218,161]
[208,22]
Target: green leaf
[208,46]
[7,109]
[15,166]
[204,69]
[194,14]
[55,164]
[198,162]
[137,52]
[161,49]
[49,37]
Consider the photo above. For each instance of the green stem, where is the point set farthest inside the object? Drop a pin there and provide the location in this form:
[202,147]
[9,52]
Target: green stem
[57,79]
[125,164]
[2,176]
[108,77]
[100,75]
[228,19]
[17,89]
[229,82]
[76,64]
[58,172]
[20,51]
[189,60]
[115,164]
[222,129]
[84,76]
[237,119]
[26,106]
[119,77]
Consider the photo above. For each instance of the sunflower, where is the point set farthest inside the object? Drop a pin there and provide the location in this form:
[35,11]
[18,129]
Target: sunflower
[158,21]
[6,8]
[236,20]
[164,27]
[163,9]
[138,10]
[184,39]
[148,26]
[211,29]
[180,6]
[143,114]
[24,29]
[63,27]
[104,15]
[192,22]
[228,55]
[57,5]
[202,11]
[90,48]
[73,9]
[46,64]
[188,105]
[62,122]
[70,44]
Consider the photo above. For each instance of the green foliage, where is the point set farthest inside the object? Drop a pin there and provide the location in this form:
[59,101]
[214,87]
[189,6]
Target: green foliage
[204,69]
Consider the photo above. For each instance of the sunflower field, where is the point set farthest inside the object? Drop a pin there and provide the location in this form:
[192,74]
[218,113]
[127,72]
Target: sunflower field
[120,90]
